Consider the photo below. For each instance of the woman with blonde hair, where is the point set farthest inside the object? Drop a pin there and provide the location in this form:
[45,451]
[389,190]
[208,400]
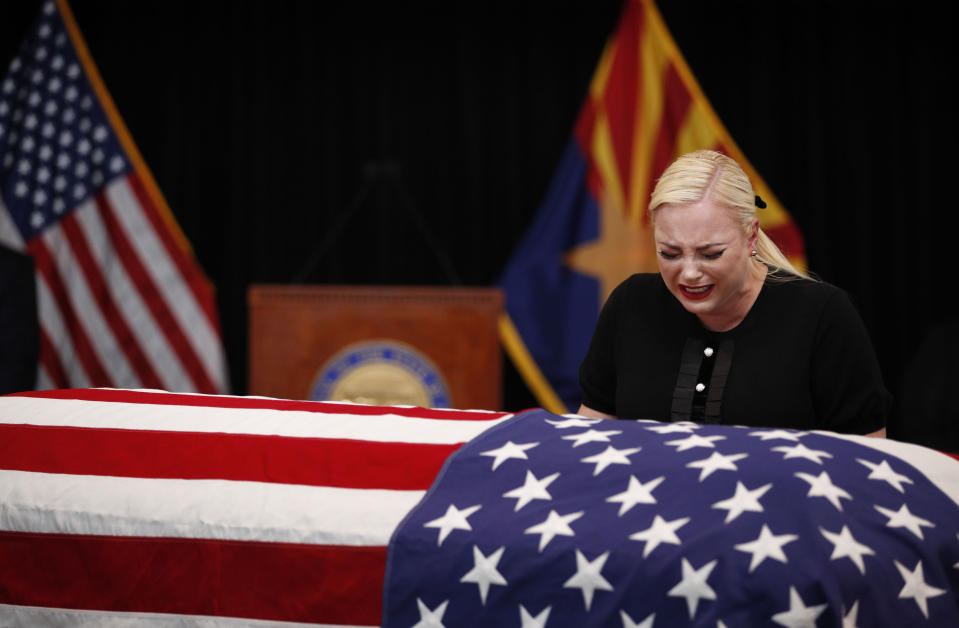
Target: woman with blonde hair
[729,331]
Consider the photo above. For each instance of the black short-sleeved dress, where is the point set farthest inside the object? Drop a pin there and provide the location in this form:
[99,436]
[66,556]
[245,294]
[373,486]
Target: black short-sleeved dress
[800,359]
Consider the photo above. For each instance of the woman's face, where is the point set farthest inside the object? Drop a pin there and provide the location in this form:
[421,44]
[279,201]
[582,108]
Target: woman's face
[704,258]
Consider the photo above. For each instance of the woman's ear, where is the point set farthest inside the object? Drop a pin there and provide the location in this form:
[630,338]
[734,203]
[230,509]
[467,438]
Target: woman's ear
[752,233]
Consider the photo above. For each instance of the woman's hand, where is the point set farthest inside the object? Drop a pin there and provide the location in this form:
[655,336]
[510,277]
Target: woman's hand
[589,413]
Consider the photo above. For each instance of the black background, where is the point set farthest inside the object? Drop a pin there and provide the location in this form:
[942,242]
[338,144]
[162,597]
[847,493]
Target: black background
[264,122]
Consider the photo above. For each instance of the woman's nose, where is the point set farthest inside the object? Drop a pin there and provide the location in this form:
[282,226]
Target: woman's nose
[690,271]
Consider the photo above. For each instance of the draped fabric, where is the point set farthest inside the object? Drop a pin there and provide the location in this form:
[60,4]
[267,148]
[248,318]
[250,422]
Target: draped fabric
[162,509]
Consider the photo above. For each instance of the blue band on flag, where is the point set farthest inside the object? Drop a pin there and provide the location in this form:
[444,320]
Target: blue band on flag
[553,307]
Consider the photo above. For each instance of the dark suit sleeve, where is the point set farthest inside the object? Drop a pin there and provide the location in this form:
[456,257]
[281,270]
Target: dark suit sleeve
[19,331]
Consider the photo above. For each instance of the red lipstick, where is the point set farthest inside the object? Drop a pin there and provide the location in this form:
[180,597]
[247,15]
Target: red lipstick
[700,292]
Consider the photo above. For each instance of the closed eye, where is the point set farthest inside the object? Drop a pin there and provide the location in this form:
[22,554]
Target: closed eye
[666,255]
[716,255]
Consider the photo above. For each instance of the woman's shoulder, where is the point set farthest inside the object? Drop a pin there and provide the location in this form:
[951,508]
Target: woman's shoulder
[803,287]
[637,292]
[639,286]
[642,282]
[806,295]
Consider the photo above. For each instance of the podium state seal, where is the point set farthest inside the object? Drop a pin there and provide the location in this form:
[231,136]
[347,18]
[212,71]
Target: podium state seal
[382,373]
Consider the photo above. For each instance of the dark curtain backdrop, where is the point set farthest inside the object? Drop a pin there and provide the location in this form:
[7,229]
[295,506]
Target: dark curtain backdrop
[265,123]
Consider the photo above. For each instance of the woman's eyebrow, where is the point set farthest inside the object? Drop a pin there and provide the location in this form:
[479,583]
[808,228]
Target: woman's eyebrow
[670,245]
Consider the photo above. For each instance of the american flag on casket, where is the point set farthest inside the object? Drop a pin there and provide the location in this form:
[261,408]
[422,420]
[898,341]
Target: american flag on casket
[148,508]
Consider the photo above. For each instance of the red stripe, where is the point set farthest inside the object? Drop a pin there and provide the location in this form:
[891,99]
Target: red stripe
[676,103]
[623,91]
[585,121]
[71,321]
[50,359]
[201,455]
[189,270]
[154,300]
[787,238]
[594,180]
[124,337]
[270,581]
[254,403]
[583,132]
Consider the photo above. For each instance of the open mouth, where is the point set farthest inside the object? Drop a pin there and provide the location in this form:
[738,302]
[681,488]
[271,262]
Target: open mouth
[695,293]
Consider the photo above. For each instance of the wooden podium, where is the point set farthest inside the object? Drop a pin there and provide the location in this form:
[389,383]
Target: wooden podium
[426,346]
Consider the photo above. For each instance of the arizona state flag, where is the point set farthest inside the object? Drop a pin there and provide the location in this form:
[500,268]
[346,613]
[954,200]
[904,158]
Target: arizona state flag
[644,109]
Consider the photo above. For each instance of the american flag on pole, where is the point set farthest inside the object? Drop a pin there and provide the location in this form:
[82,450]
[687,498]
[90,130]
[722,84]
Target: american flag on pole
[121,301]
[547,521]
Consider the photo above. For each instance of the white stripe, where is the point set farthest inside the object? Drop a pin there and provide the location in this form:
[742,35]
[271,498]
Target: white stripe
[9,234]
[345,404]
[32,616]
[52,323]
[200,509]
[44,381]
[88,312]
[130,303]
[166,276]
[937,467]
[292,423]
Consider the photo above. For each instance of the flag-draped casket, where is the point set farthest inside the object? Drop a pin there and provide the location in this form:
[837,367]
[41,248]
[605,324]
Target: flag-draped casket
[122,507]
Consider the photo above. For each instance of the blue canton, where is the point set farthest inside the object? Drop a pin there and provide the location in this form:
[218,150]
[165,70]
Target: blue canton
[554,521]
[57,148]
